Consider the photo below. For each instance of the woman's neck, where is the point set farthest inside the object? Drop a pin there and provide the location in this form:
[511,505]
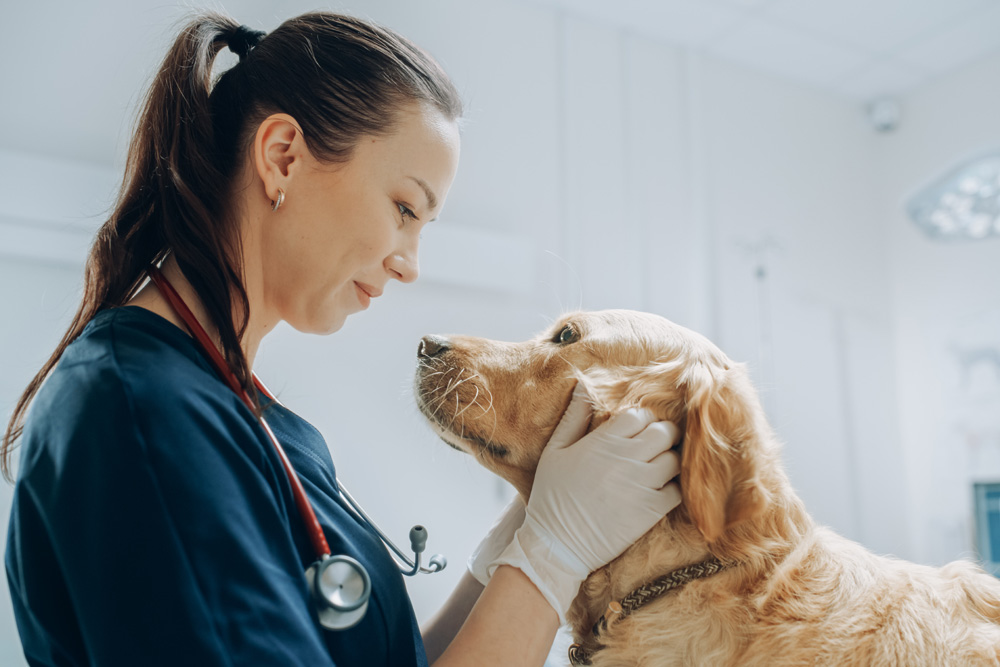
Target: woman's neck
[150,298]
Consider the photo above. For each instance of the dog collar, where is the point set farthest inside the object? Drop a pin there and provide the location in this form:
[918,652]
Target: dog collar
[580,654]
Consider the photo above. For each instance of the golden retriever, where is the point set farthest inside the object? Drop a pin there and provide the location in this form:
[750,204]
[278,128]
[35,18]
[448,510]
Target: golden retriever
[795,594]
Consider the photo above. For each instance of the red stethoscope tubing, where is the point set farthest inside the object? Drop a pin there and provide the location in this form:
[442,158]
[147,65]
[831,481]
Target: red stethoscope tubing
[315,531]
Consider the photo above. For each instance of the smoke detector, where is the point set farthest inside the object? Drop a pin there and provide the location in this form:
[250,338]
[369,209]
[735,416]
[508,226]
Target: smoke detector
[884,114]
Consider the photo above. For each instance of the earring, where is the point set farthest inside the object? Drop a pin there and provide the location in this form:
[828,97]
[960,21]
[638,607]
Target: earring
[280,201]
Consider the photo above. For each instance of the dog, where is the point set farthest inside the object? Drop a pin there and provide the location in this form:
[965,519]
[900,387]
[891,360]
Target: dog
[780,589]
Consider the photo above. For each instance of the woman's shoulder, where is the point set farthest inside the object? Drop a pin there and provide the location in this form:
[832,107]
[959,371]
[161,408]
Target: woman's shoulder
[130,367]
[135,342]
[126,354]
[130,394]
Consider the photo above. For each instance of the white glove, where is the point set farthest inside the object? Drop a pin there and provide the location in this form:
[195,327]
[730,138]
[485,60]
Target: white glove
[593,497]
[496,539]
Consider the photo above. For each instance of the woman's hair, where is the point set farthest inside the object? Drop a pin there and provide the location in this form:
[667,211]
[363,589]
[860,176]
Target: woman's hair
[340,77]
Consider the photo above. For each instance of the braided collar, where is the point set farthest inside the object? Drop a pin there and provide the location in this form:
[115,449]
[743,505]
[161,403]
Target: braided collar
[580,654]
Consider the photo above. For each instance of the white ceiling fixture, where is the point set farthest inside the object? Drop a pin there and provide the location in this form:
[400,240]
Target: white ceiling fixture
[884,114]
[962,204]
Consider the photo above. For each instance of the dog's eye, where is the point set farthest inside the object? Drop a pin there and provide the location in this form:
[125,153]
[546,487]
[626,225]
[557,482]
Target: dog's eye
[566,335]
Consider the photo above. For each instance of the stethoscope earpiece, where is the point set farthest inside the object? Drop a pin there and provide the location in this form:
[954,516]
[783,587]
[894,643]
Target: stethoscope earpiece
[437,563]
[418,540]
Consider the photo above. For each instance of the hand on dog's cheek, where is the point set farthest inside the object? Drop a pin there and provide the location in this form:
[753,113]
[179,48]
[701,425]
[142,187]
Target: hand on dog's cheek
[575,420]
[600,416]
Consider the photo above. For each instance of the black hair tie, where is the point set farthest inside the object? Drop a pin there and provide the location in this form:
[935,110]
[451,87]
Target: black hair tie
[243,39]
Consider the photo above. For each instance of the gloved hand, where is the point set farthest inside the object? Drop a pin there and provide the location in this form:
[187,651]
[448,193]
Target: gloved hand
[497,539]
[593,496]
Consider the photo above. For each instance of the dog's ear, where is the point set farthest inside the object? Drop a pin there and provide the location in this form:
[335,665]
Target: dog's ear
[723,447]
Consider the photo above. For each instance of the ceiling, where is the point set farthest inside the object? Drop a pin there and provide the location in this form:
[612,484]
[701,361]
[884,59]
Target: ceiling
[860,48]
[72,69]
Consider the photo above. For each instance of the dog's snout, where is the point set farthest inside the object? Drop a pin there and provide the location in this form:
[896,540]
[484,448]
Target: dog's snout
[431,346]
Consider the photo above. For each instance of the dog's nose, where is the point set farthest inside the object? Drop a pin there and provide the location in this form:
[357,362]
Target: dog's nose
[431,346]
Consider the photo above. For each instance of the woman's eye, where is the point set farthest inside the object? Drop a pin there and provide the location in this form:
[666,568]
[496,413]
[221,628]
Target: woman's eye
[405,212]
[566,335]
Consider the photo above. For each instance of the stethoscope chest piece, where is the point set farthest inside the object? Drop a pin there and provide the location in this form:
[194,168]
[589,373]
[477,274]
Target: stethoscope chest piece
[340,588]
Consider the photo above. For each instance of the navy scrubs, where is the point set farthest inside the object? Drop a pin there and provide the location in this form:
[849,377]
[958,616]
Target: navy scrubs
[153,524]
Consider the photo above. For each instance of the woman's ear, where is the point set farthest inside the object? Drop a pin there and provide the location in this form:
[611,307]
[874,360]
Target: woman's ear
[722,451]
[277,151]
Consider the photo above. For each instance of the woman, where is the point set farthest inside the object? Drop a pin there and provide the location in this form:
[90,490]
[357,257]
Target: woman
[153,519]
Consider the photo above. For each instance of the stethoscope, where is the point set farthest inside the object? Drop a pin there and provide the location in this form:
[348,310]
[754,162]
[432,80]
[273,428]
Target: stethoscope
[338,585]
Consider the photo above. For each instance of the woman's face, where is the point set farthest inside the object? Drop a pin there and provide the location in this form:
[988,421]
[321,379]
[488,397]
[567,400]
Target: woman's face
[344,231]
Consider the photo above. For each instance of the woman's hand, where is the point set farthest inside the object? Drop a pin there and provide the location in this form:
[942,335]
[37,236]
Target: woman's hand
[593,496]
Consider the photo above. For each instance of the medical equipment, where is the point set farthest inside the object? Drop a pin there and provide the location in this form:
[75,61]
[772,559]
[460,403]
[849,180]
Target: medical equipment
[339,585]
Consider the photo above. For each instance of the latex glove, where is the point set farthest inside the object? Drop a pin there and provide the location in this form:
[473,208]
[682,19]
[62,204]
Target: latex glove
[497,539]
[593,496]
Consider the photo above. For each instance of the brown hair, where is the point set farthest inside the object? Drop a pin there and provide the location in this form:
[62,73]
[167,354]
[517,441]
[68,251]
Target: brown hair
[340,77]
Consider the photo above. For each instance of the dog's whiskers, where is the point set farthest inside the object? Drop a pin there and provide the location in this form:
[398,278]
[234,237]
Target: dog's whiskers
[456,386]
[448,388]
[470,404]
[447,385]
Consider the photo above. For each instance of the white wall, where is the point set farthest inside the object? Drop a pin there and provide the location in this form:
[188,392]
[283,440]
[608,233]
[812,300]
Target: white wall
[945,303]
[802,290]
[38,300]
[631,174]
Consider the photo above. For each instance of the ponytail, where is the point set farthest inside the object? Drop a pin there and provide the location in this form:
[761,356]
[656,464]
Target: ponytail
[169,176]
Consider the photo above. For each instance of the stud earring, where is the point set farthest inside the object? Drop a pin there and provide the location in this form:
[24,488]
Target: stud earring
[280,200]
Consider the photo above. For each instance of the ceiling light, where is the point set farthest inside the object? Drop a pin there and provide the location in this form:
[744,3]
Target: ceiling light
[962,204]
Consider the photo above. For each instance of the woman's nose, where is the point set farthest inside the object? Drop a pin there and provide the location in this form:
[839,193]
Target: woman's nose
[403,266]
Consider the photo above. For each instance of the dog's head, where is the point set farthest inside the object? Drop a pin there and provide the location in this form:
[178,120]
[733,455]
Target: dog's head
[500,402]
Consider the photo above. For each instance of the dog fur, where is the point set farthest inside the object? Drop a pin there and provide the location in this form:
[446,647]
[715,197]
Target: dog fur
[799,594]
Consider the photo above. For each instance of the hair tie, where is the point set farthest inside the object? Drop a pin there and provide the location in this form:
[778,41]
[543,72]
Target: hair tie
[243,39]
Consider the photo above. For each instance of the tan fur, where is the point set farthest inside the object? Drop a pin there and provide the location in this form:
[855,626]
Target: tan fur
[800,594]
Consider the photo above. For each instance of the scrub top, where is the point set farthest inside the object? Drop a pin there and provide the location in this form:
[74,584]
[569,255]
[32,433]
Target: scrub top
[153,524]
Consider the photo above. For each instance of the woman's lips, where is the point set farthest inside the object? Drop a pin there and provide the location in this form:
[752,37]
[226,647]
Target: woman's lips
[366,293]
[363,297]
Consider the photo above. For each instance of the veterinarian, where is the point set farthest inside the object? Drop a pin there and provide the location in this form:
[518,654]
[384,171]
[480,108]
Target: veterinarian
[154,520]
